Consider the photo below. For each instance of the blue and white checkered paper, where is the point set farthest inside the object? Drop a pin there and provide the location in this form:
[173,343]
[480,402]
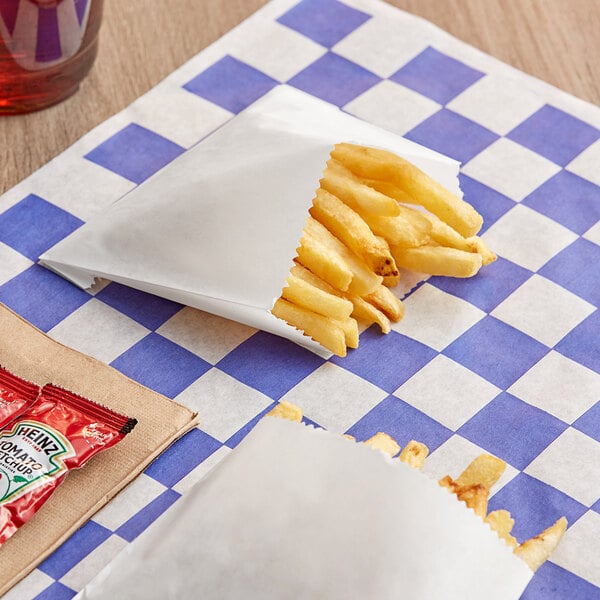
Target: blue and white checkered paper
[517,347]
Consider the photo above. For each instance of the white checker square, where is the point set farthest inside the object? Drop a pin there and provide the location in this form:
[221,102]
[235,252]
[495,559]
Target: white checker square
[561,466]
[593,234]
[559,386]
[78,185]
[587,163]
[86,569]
[543,309]
[381,46]
[447,392]
[196,474]
[177,115]
[527,238]
[12,263]
[500,104]
[454,455]
[578,550]
[392,106]
[335,398]
[29,587]
[208,336]
[435,317]
[274,49]
[510,169]
[225,404]
[98,330]
[129,501]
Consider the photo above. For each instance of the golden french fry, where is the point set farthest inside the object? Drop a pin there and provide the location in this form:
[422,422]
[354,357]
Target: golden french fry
[538,549]
[305,294]
[384,442]
[438,260]
[414,454]
[369,314]
[374,163]
[360,197]
[474,496]
[364,281]
[390,305]
[327,264]
[502,523]
[486,469]
[351,229]
[389,189]
[409,229]
[286,410]
[391,280]
[323,330]
[478,245]
[349,437]
[350,328]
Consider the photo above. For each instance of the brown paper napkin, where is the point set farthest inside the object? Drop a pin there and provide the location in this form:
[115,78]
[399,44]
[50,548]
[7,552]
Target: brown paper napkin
[28,352]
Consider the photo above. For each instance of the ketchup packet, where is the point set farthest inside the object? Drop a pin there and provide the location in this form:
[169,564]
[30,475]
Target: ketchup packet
[60,432]
[16,396]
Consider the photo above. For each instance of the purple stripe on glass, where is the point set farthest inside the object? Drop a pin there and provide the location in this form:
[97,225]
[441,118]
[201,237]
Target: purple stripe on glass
[80,6]
[48,37]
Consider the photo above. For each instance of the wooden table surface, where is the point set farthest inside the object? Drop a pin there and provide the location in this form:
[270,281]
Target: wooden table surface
[142,41]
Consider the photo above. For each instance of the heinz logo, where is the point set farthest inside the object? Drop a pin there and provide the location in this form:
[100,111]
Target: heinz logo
[41,439]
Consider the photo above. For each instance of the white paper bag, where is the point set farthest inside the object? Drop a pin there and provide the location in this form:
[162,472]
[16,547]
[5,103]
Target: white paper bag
[217,229]
[296,512]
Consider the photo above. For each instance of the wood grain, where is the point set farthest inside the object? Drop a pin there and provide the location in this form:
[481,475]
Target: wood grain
[141,42]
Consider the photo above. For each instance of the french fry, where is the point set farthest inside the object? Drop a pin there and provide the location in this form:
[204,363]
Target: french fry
[360,197]
[369,314]
[386,302]
[349,227]
[475,496]
[502,523]
[384,442]
[409,229]
[286,410]
[350,328]
[374,163]
[305,294]
[537,550]
[414,454]
[388,188]
[323,330]
[438,260]
[485,470]
[478,245]
[323,261]
[363,281]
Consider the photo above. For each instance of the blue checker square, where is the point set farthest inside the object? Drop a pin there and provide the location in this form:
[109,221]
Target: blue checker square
[453,135]
[489,203]
[151,311]
[86,539]
[324,21]
[145,517]
[135,153]
[42,297]
[555,134]
[589,422]
[33,225]
[161,365]
[492,285]
[534,505]
[513,430]
[496,351]
[231,84]
[182,457]
[403,422]
[582,343]
[387,361]
[552,581]
[334,79]
[577,268]
[270,364]
[56,591]
[569,200]
[436,75]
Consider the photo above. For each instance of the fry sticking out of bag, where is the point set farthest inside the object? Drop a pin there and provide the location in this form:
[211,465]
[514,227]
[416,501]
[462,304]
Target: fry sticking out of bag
[361,232]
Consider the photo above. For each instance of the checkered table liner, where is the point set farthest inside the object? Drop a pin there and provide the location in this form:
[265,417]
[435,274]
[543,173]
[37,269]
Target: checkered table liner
[517,347]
